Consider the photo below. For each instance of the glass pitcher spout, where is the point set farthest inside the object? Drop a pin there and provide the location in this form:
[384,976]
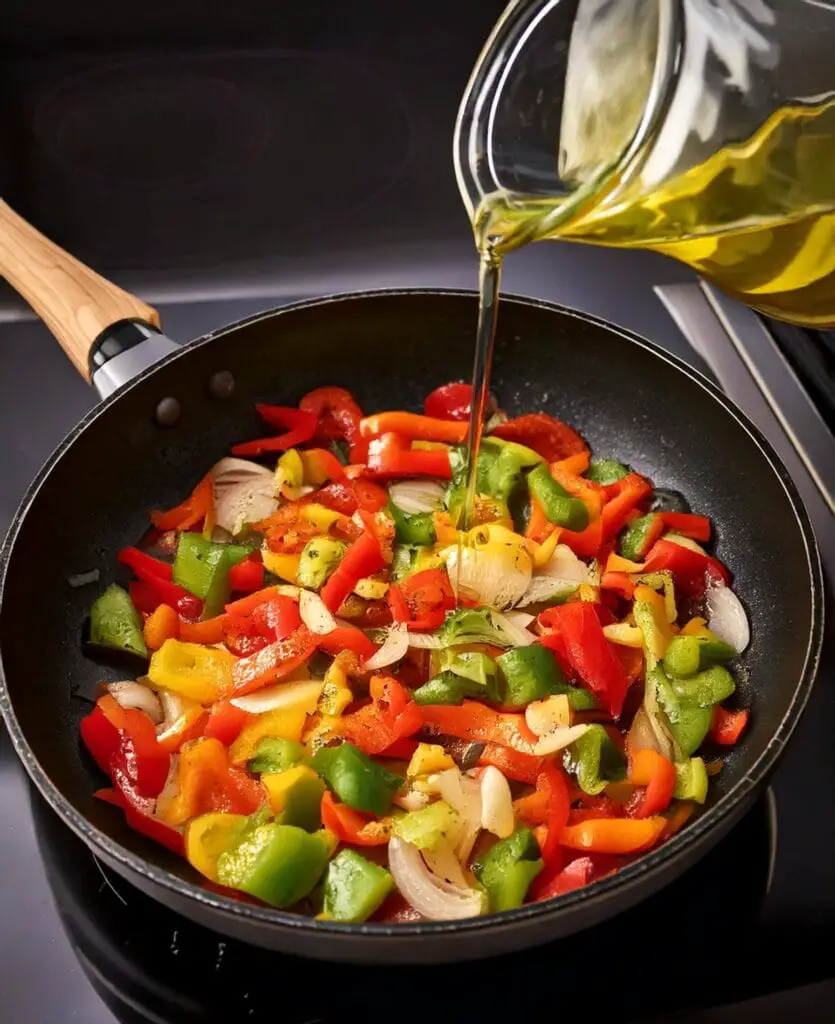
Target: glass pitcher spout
[703,129]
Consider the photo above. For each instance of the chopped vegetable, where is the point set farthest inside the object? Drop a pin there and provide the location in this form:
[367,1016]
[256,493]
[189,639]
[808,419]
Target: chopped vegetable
[273,754]
[529,673]
[115,623]
[606,471]
[559,507]
[508,868]
[354,887]
[357,780]
[596,761]
[319,558]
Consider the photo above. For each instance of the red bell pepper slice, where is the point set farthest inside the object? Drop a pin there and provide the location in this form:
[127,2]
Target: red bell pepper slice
[322,465]
[226,722]
[197,507]
[278,618]
[553,783]
[474,721]
[247,576]
[274,662]
[363,558]
[652,770]
[628,493]
[513,764]
[549,437]
[578,873]
[728,726]
[337,417]
[422,600]
[298,426]
[619,582]
[370,497]
[156,576]
[348,825]
[135,559]
[695,527]
[692,571]
[450,402]
[391,456]
[138,764]
[401,750]
[392,715]
[347,638]
[100,737]
[590,653]
[143,823]
[337,496]
[585,543]
[414,427]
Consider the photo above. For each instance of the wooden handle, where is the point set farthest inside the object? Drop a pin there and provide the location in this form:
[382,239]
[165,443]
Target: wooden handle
[74,302]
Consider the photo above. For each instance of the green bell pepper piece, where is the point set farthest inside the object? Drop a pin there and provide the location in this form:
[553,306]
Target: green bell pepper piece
[318,560]
[578,698]
[202,567]
[634,542]
[115,623]
[705,688]
[687,655]
[530,673]
[504,474]
[689,723]
[418,528]
[303,803]
[595,760]
[404,560]
[474,666]
[279,864]
[357,780]
[559,507]
[276,755]
[691,780]
[508,868]
[429,827]
[447,688]
[526,456]
[606,471]
[354,887]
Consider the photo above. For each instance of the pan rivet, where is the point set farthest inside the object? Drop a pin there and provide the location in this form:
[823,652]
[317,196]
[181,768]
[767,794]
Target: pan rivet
[221,384]
[167,412]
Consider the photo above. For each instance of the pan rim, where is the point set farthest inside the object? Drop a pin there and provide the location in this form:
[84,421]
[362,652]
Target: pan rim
[674,849]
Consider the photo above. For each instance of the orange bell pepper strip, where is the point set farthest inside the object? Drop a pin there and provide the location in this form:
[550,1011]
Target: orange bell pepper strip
[350,826]
[658,774]
[614,835]
[197,507]
[474,721]
[391,716]
[390,456]
[694,527]
[619,582]
[728,726]
[273,662]
[629,492]
[678,817]
[320,466]
[161,625]
[512,763]
[208,631]
[207,782]
[574,464]
[188,726]
[414,427]
[590,493]
[538,527]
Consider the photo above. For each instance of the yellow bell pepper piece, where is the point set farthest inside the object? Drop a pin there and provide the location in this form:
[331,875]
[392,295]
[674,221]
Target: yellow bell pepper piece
[324,730]
[657,637]
[370,589]
[284,723]
[615,563]
[286,567]
[279,784]
[429,759]
[202,674]
[289,474]
[337,693]
[320,515]
[210,835]
[429,446]
[624,634]
[543,552]
[586,592]
[698,627]
[426,558]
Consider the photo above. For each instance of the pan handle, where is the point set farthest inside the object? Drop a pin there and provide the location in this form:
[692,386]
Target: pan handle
[109,334]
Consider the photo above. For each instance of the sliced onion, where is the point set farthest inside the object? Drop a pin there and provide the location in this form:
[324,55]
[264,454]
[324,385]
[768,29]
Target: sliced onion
[727,618]
[413,496]
[425,641]
[565,565]
[547,588]
[315,614]
[173,706]
[552,742]
[432,897]
[521,619]
[516,635]
[496,567]
[496,420]
[243,493]
[463,795]
[130,694]
[288,590]
[647,732]
[394,647]
[496,803]
[544,716]
[83,579]
[443,863]
[685,542]
[303,695]
[412,800]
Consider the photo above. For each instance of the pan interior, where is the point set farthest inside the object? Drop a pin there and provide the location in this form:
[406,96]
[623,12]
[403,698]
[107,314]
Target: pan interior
[390,350]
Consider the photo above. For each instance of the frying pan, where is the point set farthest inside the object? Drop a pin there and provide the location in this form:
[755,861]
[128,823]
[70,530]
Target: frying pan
[171,412]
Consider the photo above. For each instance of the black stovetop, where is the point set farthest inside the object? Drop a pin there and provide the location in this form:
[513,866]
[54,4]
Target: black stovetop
[189,162]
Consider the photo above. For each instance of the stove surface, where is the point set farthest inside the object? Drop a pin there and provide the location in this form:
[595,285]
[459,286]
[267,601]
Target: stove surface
[197,168]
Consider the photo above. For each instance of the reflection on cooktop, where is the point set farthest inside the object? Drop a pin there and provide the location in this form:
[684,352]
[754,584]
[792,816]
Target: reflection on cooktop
[149,964]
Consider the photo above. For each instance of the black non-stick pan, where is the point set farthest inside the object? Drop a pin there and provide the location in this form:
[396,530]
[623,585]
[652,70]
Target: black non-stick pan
[168,419]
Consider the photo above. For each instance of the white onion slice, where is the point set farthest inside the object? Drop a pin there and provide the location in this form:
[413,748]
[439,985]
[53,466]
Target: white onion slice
[443,863]
[496,567]
[463,795]
[130,694]
[565,565]
[496,803]
[647,732]
[727,618]
[521,619]
[173,705]
[243,493]
[412,800]
[516,635]
[303,695]
[394,647]
[414,496]
[552,742]
[315,614]
[425,641]
[547,588]
[432,897]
